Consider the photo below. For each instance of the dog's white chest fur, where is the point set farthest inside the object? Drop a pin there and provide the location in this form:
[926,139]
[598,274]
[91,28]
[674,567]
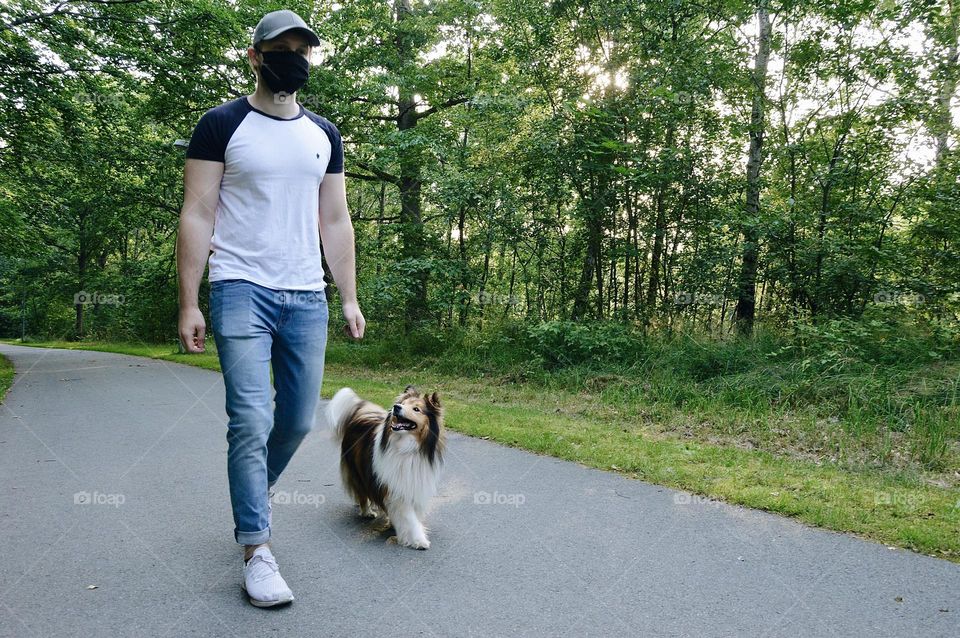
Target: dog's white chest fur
[408,475]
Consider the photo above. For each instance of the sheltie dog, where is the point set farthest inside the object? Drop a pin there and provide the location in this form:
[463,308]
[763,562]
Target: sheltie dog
[390,460]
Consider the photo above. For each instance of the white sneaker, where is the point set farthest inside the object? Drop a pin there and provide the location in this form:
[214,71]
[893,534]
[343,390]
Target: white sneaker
[262,581]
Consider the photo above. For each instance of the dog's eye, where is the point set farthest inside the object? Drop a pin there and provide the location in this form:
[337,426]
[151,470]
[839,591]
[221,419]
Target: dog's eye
[416,409]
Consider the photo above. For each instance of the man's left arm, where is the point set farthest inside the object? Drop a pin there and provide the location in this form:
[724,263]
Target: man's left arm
[336,232]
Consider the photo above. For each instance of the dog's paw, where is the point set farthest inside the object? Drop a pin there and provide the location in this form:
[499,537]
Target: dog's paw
[423,544]
[416,542]
[369,512]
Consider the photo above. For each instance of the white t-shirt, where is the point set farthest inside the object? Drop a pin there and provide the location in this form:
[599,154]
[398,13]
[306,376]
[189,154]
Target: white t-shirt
[267,227]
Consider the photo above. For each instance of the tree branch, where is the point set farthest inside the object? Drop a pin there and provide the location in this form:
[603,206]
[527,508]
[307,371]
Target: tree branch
[368,178]
[439,107]
[369,101]
[376,219]
[382,175]
[383,118]
[59,10]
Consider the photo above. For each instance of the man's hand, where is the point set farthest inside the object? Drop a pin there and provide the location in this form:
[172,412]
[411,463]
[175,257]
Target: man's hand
[193,330]
[355,321]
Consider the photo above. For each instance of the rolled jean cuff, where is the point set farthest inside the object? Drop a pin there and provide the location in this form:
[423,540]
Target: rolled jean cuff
[252,538]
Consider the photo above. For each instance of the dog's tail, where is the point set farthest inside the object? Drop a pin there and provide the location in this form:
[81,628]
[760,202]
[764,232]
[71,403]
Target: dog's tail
[340,408]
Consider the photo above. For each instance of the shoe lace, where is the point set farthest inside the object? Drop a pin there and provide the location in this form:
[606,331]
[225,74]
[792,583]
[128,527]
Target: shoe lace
[268,561]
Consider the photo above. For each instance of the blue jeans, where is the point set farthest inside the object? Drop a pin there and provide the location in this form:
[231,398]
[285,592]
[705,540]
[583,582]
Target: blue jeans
[256,328]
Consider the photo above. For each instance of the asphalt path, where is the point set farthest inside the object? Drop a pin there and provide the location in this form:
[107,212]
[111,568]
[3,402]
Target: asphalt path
[115,521]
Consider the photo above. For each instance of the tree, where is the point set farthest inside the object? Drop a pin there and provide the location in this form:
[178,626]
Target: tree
[745,312]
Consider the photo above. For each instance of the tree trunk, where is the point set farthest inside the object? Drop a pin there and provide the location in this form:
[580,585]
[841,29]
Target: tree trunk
[508,302]
[816,295]
[628,248]
[745,312]
[590,264]
[660,228]
[412,245]
[943,121]
[594,202]
[79,307]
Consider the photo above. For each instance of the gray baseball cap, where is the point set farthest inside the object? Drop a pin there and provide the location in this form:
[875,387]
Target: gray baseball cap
[277,22]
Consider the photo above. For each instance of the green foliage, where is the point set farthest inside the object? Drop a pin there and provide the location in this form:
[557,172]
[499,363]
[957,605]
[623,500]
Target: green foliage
[550,174]
[550,192]
[833,384]
[558,344]
[6,376]
[880,338]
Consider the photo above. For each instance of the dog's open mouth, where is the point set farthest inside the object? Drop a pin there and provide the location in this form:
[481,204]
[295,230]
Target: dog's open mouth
[400,423]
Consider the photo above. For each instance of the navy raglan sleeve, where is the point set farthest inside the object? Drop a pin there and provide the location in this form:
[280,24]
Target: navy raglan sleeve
[336,149]
[208,141]
[335,165]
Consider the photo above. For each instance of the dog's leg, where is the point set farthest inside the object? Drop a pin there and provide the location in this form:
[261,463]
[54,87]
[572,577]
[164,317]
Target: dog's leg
[410,530]
[368,509]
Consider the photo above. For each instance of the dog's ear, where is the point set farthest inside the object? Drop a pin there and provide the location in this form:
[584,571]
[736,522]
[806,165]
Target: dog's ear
[433,401]
[411,389]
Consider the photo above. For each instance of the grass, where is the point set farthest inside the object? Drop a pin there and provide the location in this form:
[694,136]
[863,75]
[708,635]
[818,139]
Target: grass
[741,449]
[6,376]
[894,409]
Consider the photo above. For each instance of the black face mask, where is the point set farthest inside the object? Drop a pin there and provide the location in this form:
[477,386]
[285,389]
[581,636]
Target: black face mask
[284,71]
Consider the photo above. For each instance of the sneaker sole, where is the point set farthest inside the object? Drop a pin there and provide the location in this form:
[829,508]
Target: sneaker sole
[264,603]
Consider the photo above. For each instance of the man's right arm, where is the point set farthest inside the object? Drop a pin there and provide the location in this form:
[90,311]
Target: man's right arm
[201,192]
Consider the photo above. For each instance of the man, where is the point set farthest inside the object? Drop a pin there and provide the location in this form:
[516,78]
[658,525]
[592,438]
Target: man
[264,176]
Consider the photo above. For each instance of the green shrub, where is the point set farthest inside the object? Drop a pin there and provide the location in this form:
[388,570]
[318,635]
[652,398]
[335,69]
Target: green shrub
[559,344]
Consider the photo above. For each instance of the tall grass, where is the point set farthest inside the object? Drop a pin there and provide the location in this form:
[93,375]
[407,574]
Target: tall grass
[881,391]
[6,375]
